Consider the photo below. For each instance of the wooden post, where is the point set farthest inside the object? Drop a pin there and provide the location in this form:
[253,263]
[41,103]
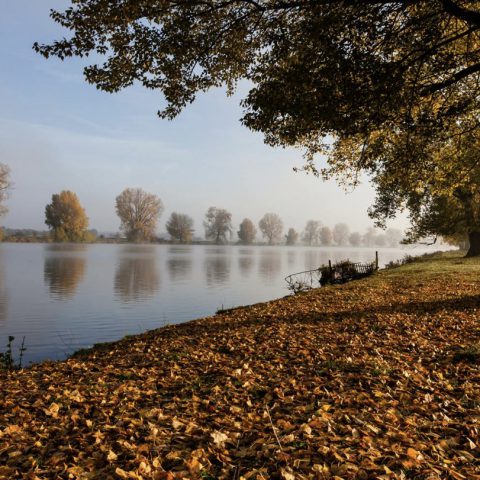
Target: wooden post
[330,271]
[376,260]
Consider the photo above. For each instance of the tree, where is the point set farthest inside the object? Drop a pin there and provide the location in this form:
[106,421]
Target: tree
[446,197]
[180,227]
[369,237]
[341,233]
[247,232]
[5,186]
[381,240]
[66,218]
[218,225]
[355,239]
[271,227]
[326,236]
[291,237]
[355,70]
[139,212]
[311,235]
[393,236]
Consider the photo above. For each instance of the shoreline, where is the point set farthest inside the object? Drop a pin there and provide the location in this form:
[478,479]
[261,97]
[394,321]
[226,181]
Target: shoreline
[365,379]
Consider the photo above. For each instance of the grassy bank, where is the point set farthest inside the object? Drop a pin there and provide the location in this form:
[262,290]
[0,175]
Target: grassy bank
[379,378]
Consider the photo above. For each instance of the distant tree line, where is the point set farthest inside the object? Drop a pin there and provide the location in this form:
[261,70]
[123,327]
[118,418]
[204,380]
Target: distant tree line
[139,213]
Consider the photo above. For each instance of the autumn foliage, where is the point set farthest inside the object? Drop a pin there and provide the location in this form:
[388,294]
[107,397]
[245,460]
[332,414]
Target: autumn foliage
[369,380]
[66,217]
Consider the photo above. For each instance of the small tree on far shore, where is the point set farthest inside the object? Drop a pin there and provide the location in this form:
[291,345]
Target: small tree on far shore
[311,234]
[218,225]
[291,237]
[271,227]
[66,217]
[341,233]
[5,186]
[139,212]
[180,227]
[247,232]
[355,239]
[326,236]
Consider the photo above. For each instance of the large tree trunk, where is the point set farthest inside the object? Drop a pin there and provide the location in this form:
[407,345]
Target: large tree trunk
[474,240]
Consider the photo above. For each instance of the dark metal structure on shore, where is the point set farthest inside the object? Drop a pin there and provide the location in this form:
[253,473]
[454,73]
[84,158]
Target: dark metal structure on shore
[336,273]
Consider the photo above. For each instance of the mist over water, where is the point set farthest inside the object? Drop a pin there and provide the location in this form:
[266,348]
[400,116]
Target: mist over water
[65,297]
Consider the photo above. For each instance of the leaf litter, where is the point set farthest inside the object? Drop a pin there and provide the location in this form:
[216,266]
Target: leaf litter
[350,382]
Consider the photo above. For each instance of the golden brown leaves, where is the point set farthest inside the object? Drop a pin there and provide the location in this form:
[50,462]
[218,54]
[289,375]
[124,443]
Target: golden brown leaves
[355,382]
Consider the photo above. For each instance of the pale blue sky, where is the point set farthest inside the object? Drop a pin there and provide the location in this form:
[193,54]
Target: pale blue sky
[57,132]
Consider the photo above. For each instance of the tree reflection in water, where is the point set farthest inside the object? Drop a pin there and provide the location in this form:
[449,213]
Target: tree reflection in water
[136,277]
[291,254]
[313,259]
[3,290]
[217,270]
[179,262]
[64,268]
[246,261]
[179,268]
[270,265]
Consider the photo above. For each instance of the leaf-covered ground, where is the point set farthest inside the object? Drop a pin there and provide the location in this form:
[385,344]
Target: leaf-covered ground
[379,378]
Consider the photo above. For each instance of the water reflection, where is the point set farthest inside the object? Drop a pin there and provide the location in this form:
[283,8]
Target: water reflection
[3,290]
[245,264]
[136,276]
[291,254]
[217,270]
[270,265]
[246,261]
[179,268]
[62,274]
[313,259]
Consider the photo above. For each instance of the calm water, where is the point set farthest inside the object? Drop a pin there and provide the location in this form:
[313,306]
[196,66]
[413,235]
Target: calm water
[66,297]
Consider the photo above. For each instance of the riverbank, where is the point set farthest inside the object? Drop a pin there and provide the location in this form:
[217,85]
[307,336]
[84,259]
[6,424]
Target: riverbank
[378,378]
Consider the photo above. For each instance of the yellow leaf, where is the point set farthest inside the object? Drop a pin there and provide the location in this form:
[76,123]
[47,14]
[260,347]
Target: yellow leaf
[112,456]
[219,438]
[53,410]
[121,473]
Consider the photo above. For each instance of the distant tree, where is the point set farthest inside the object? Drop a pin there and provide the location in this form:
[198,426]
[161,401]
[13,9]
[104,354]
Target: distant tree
[394,237]
[291,237]
[326,236]
[5,186]
[271,227]
[311,234]
[381,240]
[340,233]
[355,239]
[66,217]
[369,237]
[218,225]
[247,232]
[139,212]
[180,227]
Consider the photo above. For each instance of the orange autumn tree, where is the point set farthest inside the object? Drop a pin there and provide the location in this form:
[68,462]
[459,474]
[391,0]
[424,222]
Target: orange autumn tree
[66,218]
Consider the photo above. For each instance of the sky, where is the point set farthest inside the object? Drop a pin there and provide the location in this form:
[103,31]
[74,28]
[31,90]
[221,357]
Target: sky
[57,132]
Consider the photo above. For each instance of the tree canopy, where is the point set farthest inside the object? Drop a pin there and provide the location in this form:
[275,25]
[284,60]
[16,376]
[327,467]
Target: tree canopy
[441,193]
[139,212]
[317,68]
[271,226]
[376,86]
[66,217]
[218,225]
[247,232]
[5,186]
[180,227]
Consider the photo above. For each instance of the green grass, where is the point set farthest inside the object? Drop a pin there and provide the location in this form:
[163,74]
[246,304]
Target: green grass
[428,266]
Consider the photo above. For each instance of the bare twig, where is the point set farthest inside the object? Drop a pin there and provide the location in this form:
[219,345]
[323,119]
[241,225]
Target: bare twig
[273,427]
